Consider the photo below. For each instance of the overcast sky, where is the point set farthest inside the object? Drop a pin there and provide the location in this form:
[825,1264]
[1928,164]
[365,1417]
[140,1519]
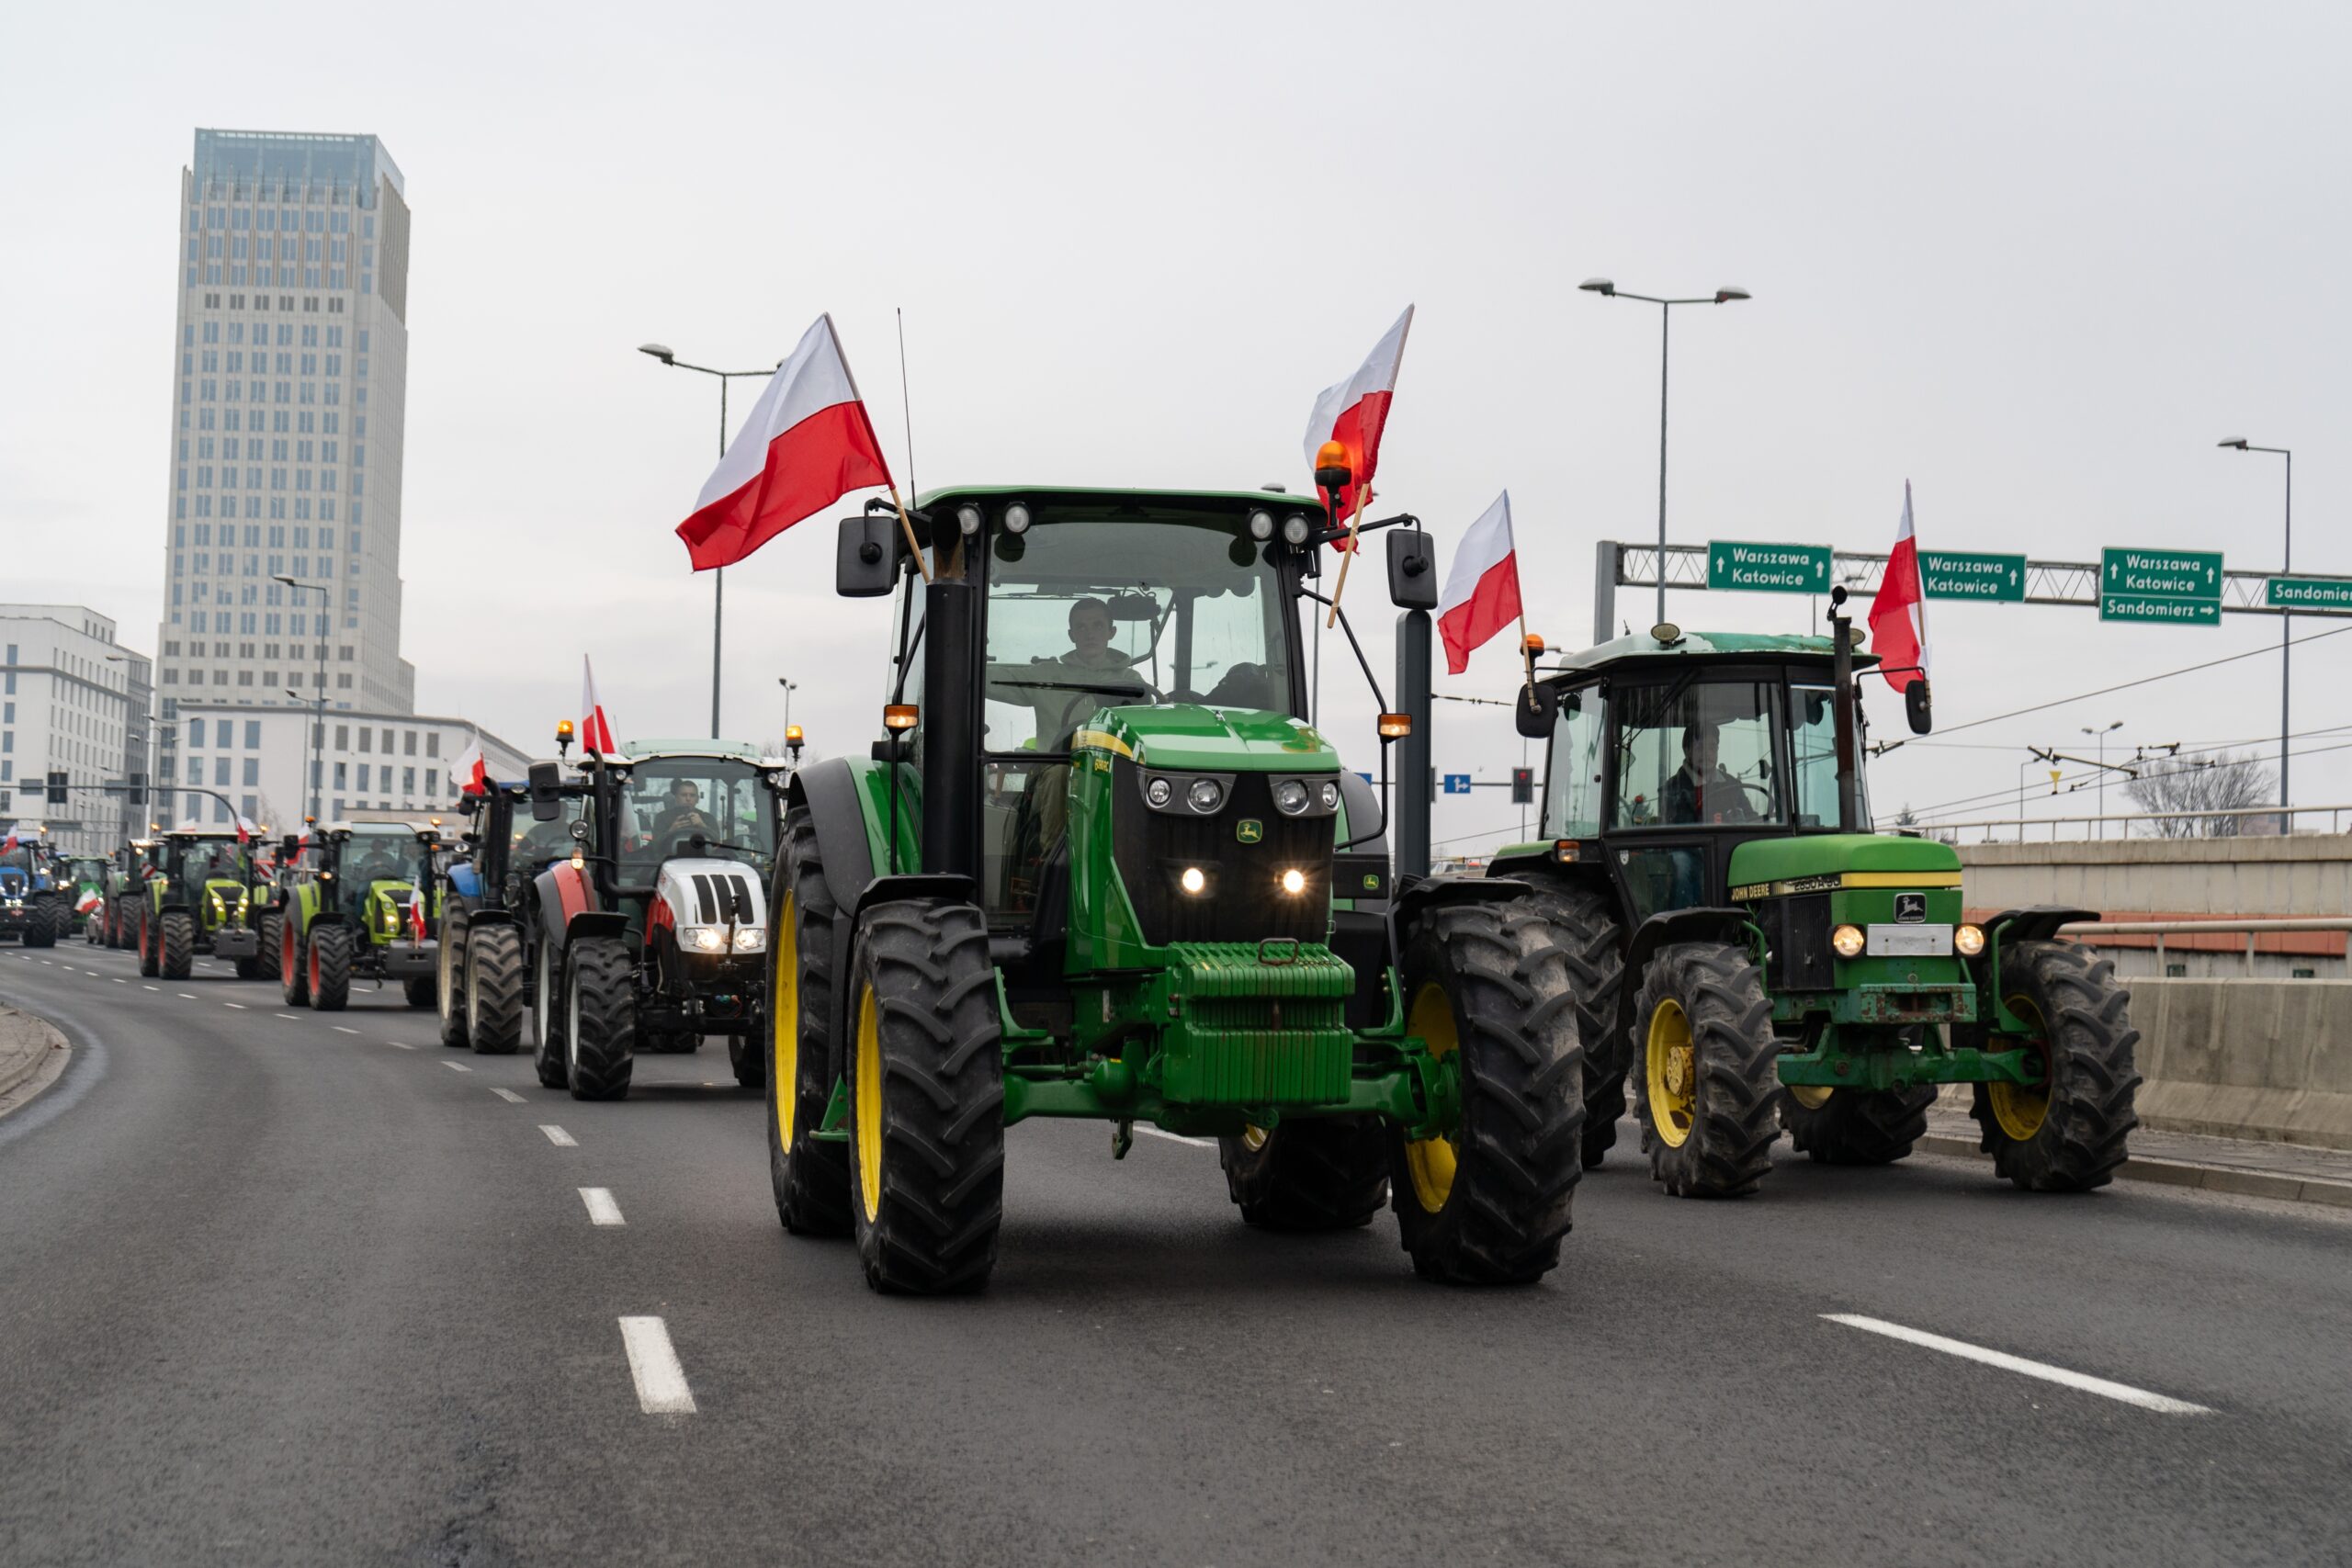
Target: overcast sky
[2035,259]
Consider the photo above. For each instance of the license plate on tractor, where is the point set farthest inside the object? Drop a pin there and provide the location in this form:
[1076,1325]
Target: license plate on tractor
[1908,942]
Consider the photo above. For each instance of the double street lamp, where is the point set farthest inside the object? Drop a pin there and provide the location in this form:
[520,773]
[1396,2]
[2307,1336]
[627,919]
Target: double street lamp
[1608,289]
[2286,563]
[319,713]
[718,574]
[2102,732]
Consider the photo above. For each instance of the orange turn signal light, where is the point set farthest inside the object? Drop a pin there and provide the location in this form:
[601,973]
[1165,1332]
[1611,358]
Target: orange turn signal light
[1396,725]
[1564,850]
[563,730]
[792,735]
[901,716]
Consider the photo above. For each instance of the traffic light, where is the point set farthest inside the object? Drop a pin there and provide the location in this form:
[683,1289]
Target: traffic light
[57,789]
[1522,786]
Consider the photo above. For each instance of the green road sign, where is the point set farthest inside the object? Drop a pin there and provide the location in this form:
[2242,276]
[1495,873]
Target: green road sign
[1950,574]
[2145,607]
[2160,574]
[1775,568]
[2309,594]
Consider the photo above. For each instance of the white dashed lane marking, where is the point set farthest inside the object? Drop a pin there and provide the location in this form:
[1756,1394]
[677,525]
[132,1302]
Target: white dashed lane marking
[2161,1404]
[400,1045]
[239,1006]
[601,1210]
[290,1017]
[184,995]
[453,1067]
[660,1382]
[558,1137]
[508,1095]
[340,1029]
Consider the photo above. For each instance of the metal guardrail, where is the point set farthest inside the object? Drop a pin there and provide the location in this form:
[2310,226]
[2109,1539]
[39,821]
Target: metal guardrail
[2335,816]
[2090,930]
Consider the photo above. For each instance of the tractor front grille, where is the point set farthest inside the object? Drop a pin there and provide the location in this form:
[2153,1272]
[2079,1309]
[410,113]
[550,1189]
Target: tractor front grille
[1259,1023]
[1245,900]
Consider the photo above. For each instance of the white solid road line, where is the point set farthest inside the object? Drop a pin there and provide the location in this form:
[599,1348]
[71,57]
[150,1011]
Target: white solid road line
[340,1029]
[453,1067]
[558,1136]
[660,1382]
[601,1210]
[2161,1404]
[1179,1138]
[508,1095]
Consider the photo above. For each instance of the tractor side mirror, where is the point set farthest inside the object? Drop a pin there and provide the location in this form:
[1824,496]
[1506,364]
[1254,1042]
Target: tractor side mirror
[1366,821]
[865,559]
[1916,707]
[289,848]
[470,805]
[1412,569]
[547,782]
[1536,710]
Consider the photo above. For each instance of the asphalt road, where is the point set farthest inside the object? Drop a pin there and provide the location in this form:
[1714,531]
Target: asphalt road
[275,1289]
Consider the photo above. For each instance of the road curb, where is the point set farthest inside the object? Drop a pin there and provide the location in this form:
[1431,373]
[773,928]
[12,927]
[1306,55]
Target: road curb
[2187,1173]
[34,1061]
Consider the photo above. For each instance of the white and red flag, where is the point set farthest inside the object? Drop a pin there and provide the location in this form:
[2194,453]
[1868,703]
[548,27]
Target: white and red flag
[1481,593]
[1899,613]
[1354,411]
[595,730]
[471,774]
[416,910]
[9,842]
[245,831]
[807,444]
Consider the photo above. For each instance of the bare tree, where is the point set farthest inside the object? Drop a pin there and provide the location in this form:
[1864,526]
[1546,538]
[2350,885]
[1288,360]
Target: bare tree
[2224,782]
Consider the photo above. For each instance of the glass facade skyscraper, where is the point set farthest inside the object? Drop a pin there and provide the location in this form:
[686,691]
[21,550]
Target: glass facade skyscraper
[288,396]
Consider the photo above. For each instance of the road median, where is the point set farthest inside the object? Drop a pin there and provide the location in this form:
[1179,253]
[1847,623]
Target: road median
[27,1046]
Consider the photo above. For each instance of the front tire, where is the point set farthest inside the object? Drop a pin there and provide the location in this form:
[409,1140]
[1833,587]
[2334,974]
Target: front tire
[419,990]
[293,967]
[175,944]
[267,936]
[1856,1127]
[149,961]
[600,1018]
[1591,943]
[1488,1202]
[450,981]
[809,1175]
[330,966]
[926,1100]
[1323,1173]
[493,998]
[548,1051]
[1710,1093]
[2069,1132]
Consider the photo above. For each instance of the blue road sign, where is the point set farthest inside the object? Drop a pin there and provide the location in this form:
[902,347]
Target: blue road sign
[1367,777]
[1457,784]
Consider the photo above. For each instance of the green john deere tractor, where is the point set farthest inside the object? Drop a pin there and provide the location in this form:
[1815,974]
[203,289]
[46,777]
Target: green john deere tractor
[1753,957]
[194,896]
[347,910]
[1102,866]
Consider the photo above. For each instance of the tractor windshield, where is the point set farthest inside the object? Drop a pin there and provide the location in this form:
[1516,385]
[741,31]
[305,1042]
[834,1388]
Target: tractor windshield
[386,852]
[696,806]
[1697,754]
[1085,615]
[208,859]
[532,845]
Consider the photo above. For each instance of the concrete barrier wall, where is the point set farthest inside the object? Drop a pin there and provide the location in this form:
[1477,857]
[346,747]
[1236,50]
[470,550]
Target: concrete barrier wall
[2266,1059]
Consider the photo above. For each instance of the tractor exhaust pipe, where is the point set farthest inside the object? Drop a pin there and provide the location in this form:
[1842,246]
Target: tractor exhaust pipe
[1411,810]
[1842,665]
[951,738]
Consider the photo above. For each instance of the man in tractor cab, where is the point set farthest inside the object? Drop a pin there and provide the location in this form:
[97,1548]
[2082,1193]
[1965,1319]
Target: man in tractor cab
[1058,710]
[1703,790]
[682,818]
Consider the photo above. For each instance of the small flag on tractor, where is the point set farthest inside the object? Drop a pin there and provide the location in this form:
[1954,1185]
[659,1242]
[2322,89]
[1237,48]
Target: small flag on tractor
[1353,412]
[1899,610]
[416,911]
[471,774]
[1481,593]
[245,831]
[807,444]
[595,730]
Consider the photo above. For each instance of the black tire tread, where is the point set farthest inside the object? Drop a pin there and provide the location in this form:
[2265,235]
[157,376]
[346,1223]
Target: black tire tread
[811,1180]
[1591,941]
[604,1057]
[494,971]
[450,981]
[176,941]
[1858,1127]
[1320,1173]
[1735,1055]
[332,943]
[2086,1134]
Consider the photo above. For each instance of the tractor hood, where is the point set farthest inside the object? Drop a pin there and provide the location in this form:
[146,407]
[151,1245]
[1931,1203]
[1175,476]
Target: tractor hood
[1192,738]
[1886,859]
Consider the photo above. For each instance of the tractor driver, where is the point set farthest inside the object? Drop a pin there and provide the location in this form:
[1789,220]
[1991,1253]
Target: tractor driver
[684,816]
[1703,790]
[1059,709]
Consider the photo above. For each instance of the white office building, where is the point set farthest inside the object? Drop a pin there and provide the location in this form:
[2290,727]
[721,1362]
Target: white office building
[261,763]
[74,704]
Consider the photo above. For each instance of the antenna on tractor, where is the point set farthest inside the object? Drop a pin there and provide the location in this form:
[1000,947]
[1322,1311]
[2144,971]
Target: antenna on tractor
[905,400]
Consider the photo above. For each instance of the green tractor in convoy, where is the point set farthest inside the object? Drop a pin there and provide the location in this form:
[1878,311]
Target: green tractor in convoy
[86,890]
[194,896]
[1754,958]
[118,919]
[348,910]
[489,905]
[1101,866]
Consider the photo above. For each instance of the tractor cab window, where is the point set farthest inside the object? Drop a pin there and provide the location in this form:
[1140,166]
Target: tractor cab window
[1697,754]
[389,851]
[532,845]
[1580,764]
[692,807]
[1813,753]
[208,859]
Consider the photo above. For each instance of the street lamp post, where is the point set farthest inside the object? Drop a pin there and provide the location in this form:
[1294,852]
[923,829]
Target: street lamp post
[319,711]
[1602,286]
[718,574]
[2286,653]
[2102,732]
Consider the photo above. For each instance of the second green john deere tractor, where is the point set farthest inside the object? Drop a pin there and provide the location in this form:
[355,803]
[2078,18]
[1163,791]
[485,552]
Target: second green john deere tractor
[1102,866]
[348,910]
[1752,958]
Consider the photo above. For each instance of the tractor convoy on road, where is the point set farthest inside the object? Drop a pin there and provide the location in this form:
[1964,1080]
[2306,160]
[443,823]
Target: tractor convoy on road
[1100,863]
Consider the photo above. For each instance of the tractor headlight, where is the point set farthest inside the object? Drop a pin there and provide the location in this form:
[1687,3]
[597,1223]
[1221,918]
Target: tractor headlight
[1294,882]
[1298,527]
[1290,797]
[751,939]
[1205,796]
[1016,518]
[1329,796]
[1194,881]
[968,519]
[1847,941]
[1261,525]
[1968,940]
[703,939]
[1160,792]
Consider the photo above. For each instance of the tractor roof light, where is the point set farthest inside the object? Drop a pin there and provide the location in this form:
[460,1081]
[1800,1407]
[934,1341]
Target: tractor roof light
[1332,469]
[1261,525]
[792,735]
[563,731]
[1016,518]
[1297,528]
[1532,645]
[1396,725]
[898,718]
[968,519]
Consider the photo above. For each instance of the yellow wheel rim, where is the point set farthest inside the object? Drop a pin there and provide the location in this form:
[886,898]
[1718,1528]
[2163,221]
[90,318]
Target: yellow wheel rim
[869,1102]
[1253,1137]
[1671,1070]
[1430,1161]
[2020,1108]
[784,1022]
[1812,1095]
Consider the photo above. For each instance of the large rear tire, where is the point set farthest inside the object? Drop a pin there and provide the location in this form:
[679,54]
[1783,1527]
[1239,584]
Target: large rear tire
[548,1054]
[747,1055]
[450,981]
[809,1175]
[175,944]
[1845,1126]
[418,991]
[1488,1202]
[493,998]
[926,1100]
[2069,1132]
[1311,1174]
[41,924]
[1591,943]
[1710,1094]
[330,966]
[293,967]
[600,1018]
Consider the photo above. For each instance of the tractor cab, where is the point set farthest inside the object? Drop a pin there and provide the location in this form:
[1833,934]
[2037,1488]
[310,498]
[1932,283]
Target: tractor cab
[369,871]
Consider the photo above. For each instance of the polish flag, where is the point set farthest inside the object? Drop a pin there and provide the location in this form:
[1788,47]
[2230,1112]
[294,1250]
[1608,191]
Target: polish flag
[1899,613]
[471,774]
[87,902]
[245,831]
[595,730]
[1354,412]
[807,444]
[416,911]
[1481,593]
[9,842]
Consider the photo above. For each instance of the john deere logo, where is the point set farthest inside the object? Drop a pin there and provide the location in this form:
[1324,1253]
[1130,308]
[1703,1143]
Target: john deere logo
[1911,908]
[1248,831]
